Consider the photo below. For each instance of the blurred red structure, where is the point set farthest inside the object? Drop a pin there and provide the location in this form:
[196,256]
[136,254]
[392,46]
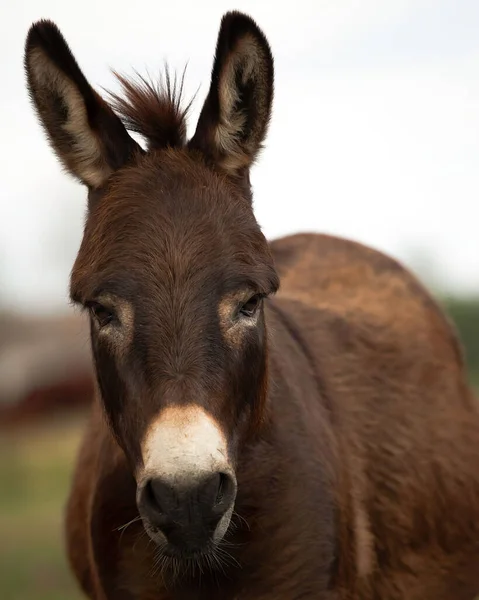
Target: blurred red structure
[45,366]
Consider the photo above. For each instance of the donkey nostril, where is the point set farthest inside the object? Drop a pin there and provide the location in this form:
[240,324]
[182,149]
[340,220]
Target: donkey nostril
[221,488]
[153,497]
[226,491]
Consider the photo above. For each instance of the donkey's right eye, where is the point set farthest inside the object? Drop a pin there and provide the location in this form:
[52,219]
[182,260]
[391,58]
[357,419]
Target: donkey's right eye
[100,313]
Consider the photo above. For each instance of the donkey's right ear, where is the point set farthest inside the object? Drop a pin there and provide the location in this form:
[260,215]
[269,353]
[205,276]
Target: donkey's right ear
[87,136]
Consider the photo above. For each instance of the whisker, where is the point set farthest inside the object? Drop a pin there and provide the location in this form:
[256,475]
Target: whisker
[139,536]
[242,519]
[228,558]
[123,527]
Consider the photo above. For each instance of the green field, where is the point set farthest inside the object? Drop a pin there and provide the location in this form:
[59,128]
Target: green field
[35,470]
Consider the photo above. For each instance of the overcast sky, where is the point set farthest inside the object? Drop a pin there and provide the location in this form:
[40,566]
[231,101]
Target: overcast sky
[375,131]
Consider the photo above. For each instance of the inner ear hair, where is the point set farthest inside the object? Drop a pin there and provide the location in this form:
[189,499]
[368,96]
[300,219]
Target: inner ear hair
[85,133]
[244,106]
[64,117]
[235,117]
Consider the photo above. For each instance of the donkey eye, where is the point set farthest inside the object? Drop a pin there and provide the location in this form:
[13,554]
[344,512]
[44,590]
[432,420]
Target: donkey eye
[249,308]
[102,314]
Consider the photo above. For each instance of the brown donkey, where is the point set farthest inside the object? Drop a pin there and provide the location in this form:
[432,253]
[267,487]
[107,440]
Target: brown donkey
[319,444]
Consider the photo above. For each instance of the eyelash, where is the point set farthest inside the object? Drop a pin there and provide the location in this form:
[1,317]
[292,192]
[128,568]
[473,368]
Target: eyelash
[251,306]
[104,316]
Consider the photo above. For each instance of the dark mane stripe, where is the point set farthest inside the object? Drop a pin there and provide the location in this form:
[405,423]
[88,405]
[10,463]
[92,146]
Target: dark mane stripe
[153,108]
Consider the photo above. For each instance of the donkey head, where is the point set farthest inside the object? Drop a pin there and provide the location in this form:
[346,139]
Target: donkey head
[172,268]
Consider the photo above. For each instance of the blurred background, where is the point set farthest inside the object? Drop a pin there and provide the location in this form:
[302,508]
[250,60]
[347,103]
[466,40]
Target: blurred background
[375,137]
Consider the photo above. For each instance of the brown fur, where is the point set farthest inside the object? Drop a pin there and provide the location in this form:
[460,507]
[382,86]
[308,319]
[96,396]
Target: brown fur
[352,430]
[153,109]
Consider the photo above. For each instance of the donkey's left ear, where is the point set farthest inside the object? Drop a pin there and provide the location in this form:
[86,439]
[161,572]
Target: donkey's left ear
[85,133]
[234,119]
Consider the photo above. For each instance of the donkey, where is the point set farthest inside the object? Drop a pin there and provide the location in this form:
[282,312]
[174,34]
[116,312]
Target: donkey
[317,443]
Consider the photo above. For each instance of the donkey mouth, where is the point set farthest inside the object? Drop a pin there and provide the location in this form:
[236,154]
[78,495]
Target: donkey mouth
[187,520]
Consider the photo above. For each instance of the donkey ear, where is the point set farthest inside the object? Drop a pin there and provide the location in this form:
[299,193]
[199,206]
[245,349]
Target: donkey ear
[85,133]
[234,119]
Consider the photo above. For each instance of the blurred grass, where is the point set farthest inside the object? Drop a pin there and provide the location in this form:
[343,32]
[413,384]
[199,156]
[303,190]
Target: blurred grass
[35,471]
[465,314]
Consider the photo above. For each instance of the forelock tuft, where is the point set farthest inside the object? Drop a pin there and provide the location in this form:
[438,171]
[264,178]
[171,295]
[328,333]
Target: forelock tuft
[153,108]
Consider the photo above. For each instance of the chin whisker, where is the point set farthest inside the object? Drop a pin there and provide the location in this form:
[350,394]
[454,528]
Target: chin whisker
[216,559]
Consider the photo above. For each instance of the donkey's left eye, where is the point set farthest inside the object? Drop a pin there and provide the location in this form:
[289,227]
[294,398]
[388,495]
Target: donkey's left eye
[102,314]
[249,308]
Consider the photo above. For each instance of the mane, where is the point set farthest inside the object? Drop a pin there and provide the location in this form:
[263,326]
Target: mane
[153,109]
